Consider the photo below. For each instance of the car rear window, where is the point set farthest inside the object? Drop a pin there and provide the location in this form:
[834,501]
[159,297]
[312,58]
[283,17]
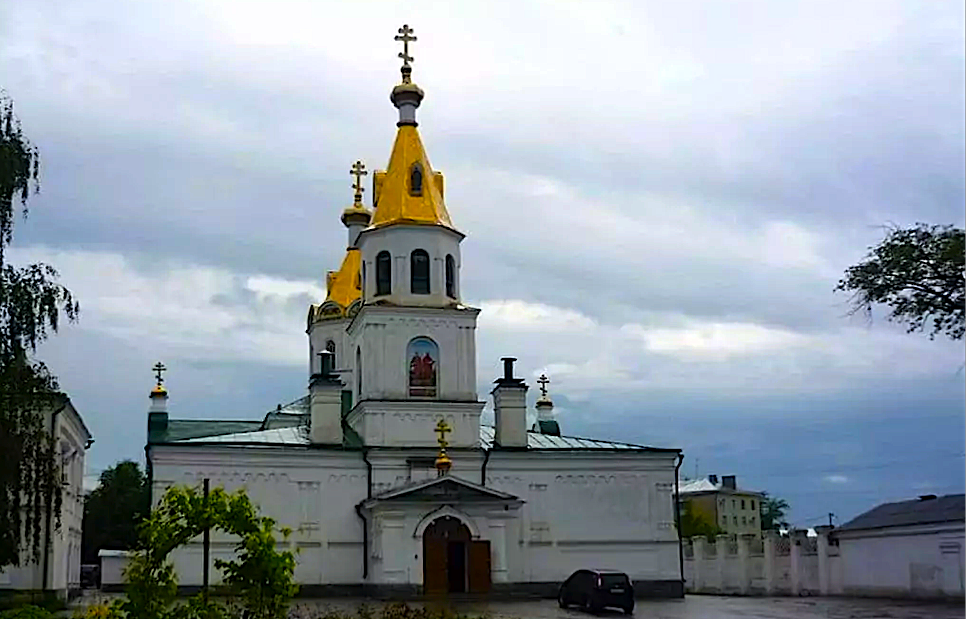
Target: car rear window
[613,580]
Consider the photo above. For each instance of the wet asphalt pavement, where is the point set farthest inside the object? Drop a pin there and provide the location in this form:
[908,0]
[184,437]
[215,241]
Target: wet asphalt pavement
[693,607]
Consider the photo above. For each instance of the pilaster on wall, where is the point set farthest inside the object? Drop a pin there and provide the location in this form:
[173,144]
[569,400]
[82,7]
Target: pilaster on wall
[498,549]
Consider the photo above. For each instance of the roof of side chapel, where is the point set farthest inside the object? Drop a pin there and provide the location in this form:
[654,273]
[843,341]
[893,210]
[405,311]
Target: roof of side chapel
[343,287]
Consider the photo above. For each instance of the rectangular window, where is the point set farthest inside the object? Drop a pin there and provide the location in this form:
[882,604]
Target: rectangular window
[613,580]
[744,520]
[742,503]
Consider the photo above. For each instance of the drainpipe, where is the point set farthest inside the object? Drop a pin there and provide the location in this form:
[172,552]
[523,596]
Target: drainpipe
[486,460]
[149,471]
[365,523]
[50,502]
[677,515]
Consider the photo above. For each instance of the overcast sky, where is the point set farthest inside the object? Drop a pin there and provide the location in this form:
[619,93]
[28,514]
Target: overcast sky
[658,199]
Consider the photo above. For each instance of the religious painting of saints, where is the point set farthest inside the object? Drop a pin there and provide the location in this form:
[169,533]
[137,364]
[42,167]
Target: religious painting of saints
[423,355]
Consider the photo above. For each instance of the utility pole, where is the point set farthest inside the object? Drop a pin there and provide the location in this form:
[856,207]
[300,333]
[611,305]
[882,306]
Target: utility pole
[207,546]
[830,516]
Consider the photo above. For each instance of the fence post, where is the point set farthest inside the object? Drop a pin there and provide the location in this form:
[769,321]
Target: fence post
[798,537]
[721,549]
[823,562]
[770,542]
[744,550]
[697,559]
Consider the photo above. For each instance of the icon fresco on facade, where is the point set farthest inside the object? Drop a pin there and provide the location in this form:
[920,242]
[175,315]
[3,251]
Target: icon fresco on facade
[423,355]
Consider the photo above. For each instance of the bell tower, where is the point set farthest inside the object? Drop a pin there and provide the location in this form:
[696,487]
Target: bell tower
[412,342]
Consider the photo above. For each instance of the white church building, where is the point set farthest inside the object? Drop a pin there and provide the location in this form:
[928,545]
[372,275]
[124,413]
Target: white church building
[384,470]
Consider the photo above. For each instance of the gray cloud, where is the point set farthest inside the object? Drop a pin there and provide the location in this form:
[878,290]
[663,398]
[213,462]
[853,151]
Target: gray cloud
[659,199]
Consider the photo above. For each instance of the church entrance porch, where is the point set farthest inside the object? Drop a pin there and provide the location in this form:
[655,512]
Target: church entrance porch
[439,537]
[453,562]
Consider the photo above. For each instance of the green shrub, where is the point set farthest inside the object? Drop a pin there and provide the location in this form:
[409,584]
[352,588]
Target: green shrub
[26,612]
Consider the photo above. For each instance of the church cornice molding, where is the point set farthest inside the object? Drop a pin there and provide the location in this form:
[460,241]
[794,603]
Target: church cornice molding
[381,230]
[212,454]
[396,313]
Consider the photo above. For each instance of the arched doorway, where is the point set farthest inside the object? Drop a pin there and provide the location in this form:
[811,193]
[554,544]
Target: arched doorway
[452,561]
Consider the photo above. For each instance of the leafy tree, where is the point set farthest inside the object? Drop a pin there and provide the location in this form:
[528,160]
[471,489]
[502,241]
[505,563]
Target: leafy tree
[31,303]
[260,578]
[773,513]
[918,273]
[696,524]
[113,512]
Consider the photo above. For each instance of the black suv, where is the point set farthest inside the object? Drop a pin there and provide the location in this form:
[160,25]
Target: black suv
[594,590]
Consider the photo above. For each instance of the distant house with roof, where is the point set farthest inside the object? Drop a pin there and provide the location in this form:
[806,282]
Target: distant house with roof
[734,510]
[909,548]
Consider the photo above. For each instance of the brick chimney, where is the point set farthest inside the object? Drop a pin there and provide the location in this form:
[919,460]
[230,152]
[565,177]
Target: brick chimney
[510,408]
[325,403]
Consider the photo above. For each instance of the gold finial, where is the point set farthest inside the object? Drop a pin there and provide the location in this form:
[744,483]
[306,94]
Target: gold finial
[159,370]
[405,36]
[543,380]
[443,463]
[358,170]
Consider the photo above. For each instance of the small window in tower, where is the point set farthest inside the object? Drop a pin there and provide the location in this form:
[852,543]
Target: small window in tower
[330,346]
[362,280]
[450,277]
[419,272]
[416,180]
[383,273]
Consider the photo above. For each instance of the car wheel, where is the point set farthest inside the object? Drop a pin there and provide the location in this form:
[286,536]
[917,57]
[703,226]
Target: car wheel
[561,601]
[628,610]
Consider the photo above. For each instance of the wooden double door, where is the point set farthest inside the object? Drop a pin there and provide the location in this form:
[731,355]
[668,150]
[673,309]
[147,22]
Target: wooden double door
[453,562]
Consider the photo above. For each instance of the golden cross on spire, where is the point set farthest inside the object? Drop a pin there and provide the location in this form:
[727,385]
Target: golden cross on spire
[358,170]
[442,428]
[405,36]
[159,370]
[543,380]
[443,462]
